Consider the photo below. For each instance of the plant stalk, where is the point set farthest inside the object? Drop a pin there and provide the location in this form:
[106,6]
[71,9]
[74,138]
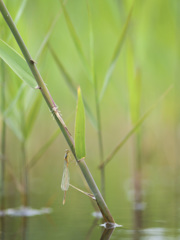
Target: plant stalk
[100,140]
[24,160]
[97,103]
[3,139]
[3,152]
[53,108]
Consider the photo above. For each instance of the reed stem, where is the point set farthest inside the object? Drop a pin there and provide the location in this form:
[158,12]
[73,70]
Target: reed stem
[100,140]
[24,159]
[53,108]
[3,138]
[97,103]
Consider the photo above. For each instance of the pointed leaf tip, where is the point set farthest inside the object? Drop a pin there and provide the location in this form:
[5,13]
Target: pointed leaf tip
[80,127]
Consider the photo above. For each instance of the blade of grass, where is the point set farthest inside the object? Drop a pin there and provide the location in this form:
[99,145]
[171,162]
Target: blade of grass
[52,106]
[76,40]
[32,116]
[18,15]
[134,85]
[134,129]
[46,38]
[16,63]
[14,126]
[12,105]
[11,114]
[66,76]
[17,183]
[116,54]
[43,149]
[80,128]
[91,41]
[20,11]
[72,86]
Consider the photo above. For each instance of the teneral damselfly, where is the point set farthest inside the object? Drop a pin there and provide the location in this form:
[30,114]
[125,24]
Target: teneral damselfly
[65,177]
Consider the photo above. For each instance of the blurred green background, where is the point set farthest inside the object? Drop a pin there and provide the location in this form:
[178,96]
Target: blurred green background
[150,51]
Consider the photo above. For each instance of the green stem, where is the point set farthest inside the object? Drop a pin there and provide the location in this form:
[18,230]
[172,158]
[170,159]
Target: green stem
[25,174]
[52,106]
[97,103]
[100,139]
[3,139]
[24,159]
[137,168]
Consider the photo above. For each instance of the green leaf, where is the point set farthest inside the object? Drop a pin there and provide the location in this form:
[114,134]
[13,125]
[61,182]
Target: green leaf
[18,16]
[12,115]
[47,36]
[16,63]
[43,149]
[32,115]
[70,82]
[76,41]
[116,54]
[134,85]
[14,125]
[91,42]
[12,105]
[80,128]
[134,129]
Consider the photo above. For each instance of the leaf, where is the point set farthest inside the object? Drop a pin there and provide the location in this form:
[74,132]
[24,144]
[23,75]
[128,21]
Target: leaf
[15,127]
[91,42]
[33,114]
[116,54]
[43,149]
[17,64]
[63,71]
[47,36]
[80,128]
[13,104]
[18,16]
[134,85]
[76,40]
[72,87]
[20,11]
[12,115]
[133,130]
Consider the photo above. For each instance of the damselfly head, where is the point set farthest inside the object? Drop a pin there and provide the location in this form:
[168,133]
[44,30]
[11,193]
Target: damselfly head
[66,156]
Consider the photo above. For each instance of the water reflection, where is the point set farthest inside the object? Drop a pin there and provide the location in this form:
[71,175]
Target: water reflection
[23,213]
[22,231]
[137,224]
[92,227]
[24,228]
[2,232]
[107,234]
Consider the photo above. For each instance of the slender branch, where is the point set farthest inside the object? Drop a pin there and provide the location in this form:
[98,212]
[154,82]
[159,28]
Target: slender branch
[52,106]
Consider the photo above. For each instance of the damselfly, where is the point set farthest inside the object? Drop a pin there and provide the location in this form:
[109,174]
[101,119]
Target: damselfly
[65,177]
